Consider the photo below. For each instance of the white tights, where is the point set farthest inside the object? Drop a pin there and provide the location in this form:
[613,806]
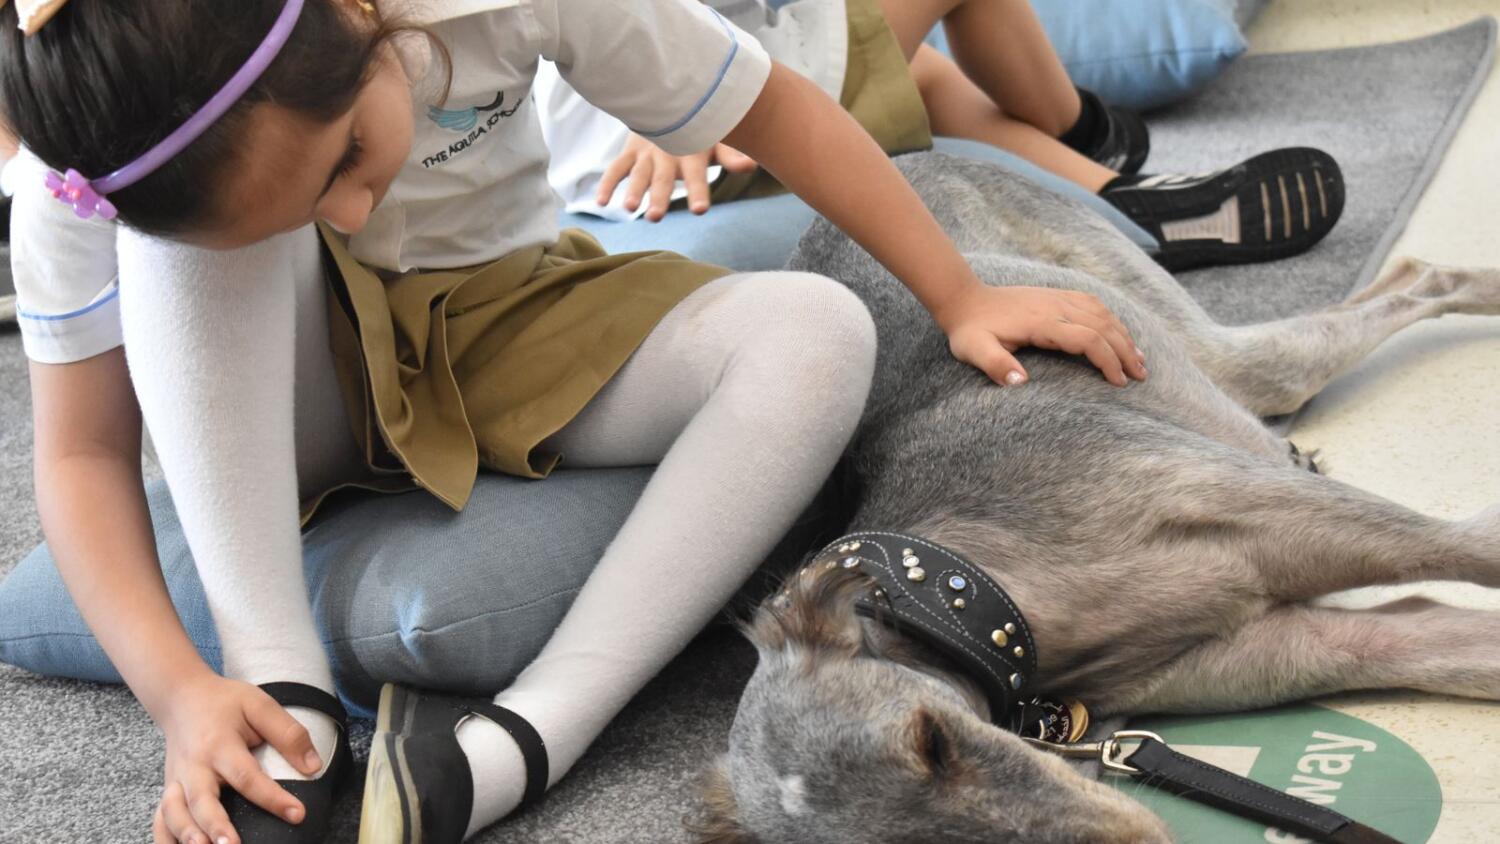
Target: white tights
[745,394]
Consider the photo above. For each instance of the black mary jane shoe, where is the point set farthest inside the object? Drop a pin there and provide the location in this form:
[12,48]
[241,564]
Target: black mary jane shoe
[257,826]
[418,788]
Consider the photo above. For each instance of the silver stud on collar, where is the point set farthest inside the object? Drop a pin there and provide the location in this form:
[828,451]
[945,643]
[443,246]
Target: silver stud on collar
[907,552]
[911,561]
[999,638]
[916,573]
[851,562]
[959,603]
[1019,651]
[1016,680]
[1010,628]
[957,583]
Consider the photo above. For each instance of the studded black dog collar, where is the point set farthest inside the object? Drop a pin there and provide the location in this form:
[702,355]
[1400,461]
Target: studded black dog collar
[930,593]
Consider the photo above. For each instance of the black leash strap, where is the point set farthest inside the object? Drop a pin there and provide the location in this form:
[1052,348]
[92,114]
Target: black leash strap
[1187,777]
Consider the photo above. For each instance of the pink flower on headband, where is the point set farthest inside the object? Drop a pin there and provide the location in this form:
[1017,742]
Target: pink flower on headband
[75,190]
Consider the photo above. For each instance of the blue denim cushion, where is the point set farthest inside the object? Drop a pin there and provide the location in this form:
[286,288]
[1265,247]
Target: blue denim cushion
[402,587]
[1144,53]
[760,234]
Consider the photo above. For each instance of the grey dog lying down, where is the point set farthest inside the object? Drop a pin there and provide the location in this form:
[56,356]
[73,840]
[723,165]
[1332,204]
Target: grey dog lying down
[1164,545]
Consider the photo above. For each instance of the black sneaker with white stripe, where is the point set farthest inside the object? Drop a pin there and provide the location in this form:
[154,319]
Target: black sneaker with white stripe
[1275,205]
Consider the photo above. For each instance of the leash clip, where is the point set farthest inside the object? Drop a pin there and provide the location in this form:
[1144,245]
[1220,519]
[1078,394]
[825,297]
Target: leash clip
[1109,751]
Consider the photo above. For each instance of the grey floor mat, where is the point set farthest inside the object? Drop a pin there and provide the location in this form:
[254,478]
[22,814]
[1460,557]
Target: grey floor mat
[1387,113]
[81,762]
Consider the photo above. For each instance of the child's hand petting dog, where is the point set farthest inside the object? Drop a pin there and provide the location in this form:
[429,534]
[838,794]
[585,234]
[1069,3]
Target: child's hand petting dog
[987,325]
[655,171]
[212,726]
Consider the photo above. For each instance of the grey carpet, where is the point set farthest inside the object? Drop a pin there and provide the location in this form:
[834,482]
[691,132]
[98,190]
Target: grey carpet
[81,762]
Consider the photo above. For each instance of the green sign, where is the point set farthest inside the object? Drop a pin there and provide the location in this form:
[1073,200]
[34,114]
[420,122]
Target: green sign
[1327,757]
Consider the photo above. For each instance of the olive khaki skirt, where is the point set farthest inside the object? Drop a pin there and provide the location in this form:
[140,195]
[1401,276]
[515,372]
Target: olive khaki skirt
[448,372]
[878,91]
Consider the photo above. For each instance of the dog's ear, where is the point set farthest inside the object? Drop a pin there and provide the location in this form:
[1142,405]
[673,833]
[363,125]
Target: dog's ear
[718,817]
[814,611]
[932,744]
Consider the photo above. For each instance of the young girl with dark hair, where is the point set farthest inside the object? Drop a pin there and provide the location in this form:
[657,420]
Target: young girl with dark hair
[336,273]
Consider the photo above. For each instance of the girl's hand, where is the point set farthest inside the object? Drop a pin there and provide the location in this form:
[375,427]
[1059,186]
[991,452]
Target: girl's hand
[986,325]
[211,726]
[651,169]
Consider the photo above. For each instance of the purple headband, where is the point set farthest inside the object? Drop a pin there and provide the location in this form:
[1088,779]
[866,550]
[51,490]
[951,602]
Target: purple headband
[87,197]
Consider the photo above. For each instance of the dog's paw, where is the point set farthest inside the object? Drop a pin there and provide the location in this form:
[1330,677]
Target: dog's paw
[1466,290]
[1307,460]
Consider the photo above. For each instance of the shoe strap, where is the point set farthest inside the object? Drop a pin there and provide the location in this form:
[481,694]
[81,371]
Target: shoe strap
[308,697]
[533,749]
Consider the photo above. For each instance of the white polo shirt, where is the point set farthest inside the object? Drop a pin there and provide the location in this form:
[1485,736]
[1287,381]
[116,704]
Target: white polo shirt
[475,185]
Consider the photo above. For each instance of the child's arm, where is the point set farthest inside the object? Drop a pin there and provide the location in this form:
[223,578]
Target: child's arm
[823,155]
[93,509]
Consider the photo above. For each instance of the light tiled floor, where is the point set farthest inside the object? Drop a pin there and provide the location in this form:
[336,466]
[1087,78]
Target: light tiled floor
[1419,421]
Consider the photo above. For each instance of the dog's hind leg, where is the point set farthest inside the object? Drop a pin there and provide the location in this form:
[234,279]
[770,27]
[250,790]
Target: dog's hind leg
[1297,651]
[1306,536]
[1208,517]
[1275,367]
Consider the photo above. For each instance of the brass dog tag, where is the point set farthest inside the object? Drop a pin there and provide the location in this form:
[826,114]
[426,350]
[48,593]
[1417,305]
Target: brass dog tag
[1080,719]
[1054,721]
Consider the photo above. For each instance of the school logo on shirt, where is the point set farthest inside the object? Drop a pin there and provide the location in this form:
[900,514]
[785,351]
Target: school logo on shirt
[467,120]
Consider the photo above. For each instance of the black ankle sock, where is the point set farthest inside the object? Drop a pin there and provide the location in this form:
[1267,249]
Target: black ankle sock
[1092,125]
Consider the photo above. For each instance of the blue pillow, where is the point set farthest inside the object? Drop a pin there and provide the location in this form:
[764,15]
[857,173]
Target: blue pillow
[760,234]
[392,580]
[1143,53]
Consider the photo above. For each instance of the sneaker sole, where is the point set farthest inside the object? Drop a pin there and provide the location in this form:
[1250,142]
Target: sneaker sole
[391,812]
[1289,200]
